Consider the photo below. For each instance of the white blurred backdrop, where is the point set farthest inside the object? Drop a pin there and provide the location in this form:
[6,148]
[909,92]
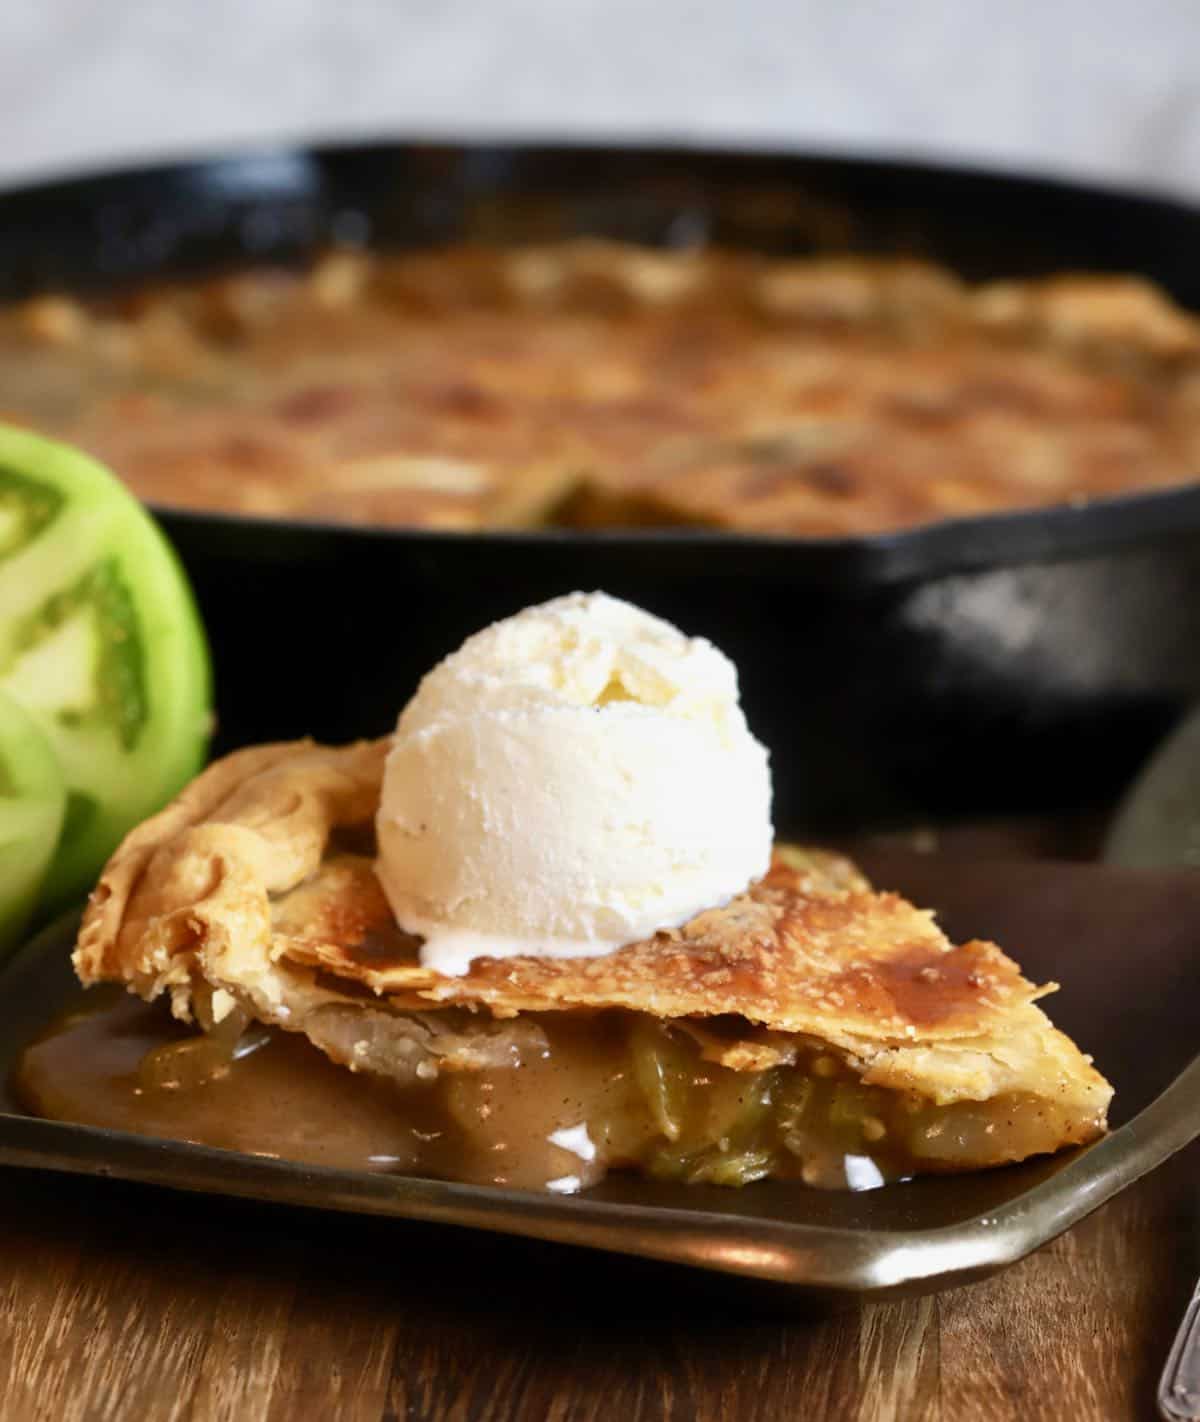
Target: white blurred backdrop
[1105,88]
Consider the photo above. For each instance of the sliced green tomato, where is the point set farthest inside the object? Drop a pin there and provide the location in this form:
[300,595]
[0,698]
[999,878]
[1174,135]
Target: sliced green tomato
[33,798]
[100,641]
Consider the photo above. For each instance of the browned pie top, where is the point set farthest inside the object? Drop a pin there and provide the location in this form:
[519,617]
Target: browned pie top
[592,383]
[803,945]
[254,879]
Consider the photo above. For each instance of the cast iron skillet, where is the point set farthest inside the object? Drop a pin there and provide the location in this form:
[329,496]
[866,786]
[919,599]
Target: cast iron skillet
[1019,661]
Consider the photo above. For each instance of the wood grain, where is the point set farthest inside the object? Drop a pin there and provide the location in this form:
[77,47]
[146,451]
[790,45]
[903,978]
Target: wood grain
[118,1302]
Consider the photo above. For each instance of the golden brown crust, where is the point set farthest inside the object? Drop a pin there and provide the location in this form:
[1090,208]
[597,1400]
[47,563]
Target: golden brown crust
[793,954]
[594,383]
[200,874]
[255,880]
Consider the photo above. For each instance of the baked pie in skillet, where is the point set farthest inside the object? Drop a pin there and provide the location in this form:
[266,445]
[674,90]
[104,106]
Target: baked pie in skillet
[811,1029]
[599,384]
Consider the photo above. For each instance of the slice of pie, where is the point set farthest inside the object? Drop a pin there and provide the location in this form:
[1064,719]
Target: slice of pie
[812,1028]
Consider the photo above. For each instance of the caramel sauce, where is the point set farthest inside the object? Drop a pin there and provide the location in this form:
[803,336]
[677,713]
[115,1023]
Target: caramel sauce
[282,1099]
[599,1091]
[279,1096]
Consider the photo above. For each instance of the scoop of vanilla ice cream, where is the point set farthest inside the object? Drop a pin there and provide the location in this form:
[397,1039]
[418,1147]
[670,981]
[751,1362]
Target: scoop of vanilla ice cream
[572,779]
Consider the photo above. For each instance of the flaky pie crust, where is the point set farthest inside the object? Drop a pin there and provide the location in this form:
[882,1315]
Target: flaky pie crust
[258,882]
[591,383]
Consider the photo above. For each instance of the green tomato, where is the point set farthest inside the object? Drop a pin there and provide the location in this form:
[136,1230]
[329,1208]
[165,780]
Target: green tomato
[33,798]
[101,643]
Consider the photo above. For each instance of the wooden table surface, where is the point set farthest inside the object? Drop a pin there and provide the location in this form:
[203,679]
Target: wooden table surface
[122,1302]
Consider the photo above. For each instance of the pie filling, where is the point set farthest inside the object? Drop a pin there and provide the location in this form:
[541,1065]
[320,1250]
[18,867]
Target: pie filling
[543,1101]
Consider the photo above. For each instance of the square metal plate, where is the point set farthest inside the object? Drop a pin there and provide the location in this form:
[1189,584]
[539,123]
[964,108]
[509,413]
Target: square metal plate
[1123,942]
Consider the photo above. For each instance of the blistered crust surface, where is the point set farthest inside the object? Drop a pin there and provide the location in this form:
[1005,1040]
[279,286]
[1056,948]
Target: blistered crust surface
[255,879]
[596,383]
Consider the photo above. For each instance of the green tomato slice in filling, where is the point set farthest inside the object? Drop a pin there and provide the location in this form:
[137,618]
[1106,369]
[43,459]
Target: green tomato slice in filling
[101,643]
[32,800]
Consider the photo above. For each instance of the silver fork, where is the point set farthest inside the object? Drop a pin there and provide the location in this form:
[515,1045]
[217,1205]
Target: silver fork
[1159,824]
[1179,1386]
